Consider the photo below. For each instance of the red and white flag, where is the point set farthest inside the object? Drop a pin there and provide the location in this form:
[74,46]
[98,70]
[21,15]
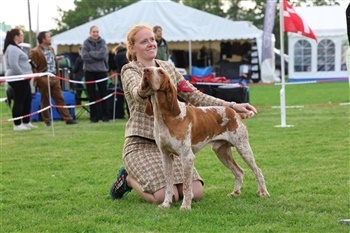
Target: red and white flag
[293,22]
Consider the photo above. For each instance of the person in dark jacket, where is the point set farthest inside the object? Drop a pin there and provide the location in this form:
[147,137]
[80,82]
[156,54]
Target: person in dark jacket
[95,56]
[78,76]
[120,60]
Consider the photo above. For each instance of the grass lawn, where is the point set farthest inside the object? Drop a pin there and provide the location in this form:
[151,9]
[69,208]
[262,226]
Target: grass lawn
[61,183]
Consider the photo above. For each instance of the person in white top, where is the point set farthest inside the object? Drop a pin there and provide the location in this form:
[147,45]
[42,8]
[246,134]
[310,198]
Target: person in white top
[18,63]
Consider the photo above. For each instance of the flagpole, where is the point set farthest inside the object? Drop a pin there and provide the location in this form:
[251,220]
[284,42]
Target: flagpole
[283,86]
[30,25]
[37,19]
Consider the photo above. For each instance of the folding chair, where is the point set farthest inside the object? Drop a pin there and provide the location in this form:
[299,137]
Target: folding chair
[78,90]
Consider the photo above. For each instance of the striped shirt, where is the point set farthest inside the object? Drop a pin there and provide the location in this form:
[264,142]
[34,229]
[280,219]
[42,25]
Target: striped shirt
[51,65]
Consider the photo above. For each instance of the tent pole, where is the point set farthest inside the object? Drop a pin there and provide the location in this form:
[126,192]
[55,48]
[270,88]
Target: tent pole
[190,57]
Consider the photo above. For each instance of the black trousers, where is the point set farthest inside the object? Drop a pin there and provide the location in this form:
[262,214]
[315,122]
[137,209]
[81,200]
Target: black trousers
[98,110]
[22,98]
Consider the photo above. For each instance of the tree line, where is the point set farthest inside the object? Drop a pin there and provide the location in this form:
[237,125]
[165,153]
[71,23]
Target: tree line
[236,10]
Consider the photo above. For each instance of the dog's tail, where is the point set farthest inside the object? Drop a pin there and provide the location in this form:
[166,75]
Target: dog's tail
[250,114]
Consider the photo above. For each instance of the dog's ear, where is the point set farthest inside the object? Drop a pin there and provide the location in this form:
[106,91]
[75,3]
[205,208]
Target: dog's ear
[172,99]
[149,107]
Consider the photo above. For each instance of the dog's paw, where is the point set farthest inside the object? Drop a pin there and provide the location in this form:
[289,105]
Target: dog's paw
[164,205]
[234,193]
[263,193]
[183,207]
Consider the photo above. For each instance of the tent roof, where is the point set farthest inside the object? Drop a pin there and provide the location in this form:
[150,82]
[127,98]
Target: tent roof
[179,23]
[324,20]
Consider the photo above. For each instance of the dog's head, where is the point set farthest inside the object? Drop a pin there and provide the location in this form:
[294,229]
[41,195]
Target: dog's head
[155,78]
[158,80]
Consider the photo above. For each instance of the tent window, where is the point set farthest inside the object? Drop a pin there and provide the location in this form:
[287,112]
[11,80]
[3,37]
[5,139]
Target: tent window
[302,56]
[325,55]
[344,49]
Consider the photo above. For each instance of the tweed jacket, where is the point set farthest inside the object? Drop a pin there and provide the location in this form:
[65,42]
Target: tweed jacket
[139,123]
[37,55]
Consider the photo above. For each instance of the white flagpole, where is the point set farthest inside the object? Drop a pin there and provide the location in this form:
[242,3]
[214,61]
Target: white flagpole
[37,19]
[283,86]
[30,25]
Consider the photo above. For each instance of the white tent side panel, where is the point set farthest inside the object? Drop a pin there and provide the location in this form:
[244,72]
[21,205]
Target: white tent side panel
[328,23]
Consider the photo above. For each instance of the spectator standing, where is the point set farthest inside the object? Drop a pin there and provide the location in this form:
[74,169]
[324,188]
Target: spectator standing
[95,57]
[17,63]
[120,60]
[163,50]
[43,55]
[78,76]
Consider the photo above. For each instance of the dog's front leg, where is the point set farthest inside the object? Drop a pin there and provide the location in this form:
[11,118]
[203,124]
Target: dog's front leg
[187,164]
[168,161]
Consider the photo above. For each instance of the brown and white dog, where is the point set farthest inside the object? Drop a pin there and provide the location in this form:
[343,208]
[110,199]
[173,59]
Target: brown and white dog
[183,130]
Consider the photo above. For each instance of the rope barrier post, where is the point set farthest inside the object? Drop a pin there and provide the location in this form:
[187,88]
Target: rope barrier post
[115,96]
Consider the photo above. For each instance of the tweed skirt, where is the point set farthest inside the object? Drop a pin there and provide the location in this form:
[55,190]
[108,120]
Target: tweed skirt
[143,162]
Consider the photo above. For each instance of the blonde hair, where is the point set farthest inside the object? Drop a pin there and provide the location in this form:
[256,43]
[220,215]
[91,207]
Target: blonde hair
[92,27]
[130,39]
[117,48]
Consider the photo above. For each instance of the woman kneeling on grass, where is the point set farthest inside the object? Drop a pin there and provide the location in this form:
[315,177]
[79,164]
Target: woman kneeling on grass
[142,159]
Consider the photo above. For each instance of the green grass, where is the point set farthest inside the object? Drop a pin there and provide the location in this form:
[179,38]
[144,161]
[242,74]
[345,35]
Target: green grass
[61,183]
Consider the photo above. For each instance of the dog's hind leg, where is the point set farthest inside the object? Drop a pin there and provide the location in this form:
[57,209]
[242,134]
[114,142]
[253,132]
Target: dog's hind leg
[244,149]
[223,151]
[168,163]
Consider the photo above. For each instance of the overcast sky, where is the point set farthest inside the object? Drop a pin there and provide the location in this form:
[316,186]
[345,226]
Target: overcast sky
[15,12]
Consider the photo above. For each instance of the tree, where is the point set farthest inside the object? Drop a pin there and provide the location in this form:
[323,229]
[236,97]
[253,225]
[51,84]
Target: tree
[87,10]
[214,7]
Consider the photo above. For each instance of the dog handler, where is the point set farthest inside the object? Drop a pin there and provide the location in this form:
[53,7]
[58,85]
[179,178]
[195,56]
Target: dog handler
[142,159]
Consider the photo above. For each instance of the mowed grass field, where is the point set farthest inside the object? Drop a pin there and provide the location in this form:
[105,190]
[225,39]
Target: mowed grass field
[58,180]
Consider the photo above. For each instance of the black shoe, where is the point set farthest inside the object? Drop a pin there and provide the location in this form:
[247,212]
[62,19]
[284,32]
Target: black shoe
[120,188]
[48,124]
[71,122]
[105,119]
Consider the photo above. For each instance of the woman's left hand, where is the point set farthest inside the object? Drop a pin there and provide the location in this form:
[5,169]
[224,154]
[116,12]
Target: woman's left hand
[244,108]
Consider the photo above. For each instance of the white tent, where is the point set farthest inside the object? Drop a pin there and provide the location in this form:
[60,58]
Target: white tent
[180,24]
[326,58]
